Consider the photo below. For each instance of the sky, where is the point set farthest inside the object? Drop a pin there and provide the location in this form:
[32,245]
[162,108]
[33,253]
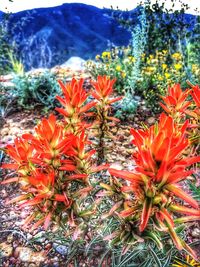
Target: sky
[19,5]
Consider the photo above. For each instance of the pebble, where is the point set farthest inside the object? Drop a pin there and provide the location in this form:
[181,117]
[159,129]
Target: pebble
[151,120]
[196,233]
[39,237]
[6,250]
[10,238]
[61,249]
[5,131]
[27,255]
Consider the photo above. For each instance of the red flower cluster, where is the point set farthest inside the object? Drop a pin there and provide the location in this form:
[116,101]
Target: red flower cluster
[160,166]
[46,163]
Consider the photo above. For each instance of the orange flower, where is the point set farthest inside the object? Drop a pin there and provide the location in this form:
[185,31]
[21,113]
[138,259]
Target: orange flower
[74,109]
[160,165]
[51,144]
[175,101]
[21,152]
[195,92]
[103,89]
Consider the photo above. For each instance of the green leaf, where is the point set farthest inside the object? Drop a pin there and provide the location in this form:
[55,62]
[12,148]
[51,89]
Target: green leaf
[156,259]
[103,257]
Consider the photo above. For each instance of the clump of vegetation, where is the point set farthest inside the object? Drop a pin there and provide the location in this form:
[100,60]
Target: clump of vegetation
[132,218]
[31,90]
[57,171]
[163,50]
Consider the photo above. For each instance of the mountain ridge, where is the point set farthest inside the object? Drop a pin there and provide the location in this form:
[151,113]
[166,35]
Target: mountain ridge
[46,37]
[58,33]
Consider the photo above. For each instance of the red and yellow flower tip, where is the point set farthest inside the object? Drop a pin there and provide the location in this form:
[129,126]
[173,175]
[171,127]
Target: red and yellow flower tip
[175,101]
[21,151]
[51,144]
[103,89]
[195,92]
[74,98]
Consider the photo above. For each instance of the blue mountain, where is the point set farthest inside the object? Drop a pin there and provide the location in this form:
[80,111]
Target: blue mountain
[49,36]
[46,37]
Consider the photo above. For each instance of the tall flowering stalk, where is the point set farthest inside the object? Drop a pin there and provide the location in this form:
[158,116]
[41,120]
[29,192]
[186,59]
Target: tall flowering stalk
[175,103]
[180,104]
[75,107]
[160,167]
[75,112]
[48,163]
[102,93]
[40,165]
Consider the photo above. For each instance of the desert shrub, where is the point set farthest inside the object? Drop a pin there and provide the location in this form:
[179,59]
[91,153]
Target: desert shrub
[33,90]
[55,164]
[155,185]
[127,106]
[7,102]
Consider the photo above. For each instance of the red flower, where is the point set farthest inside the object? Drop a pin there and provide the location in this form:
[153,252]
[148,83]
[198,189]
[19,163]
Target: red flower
[51,144]
[103,89]
[195,92]
[21,152]
[160,165]
[74,109]
[175,101]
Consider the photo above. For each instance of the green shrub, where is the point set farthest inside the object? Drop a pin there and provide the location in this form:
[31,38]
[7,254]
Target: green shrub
[34,90]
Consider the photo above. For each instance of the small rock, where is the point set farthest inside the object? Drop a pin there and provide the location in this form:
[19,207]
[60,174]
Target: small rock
[136,118]
[61,249]
[5,131]
[32,265]
[6,250]
[151,120]
[27,255]
[196,233]
[39,237]
[29,236]
[4,193]
[15,130]
[10,238]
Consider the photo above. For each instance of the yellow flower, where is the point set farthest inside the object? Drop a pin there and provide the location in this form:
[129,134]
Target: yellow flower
[151,69]
[123,74]
[106,54]
[131,58]
[118,68]
[177,66]
[151,56]
[164,66]
[167,75]
[97,57]
[177,56]
[164,52]
[189,261]
[160,78]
